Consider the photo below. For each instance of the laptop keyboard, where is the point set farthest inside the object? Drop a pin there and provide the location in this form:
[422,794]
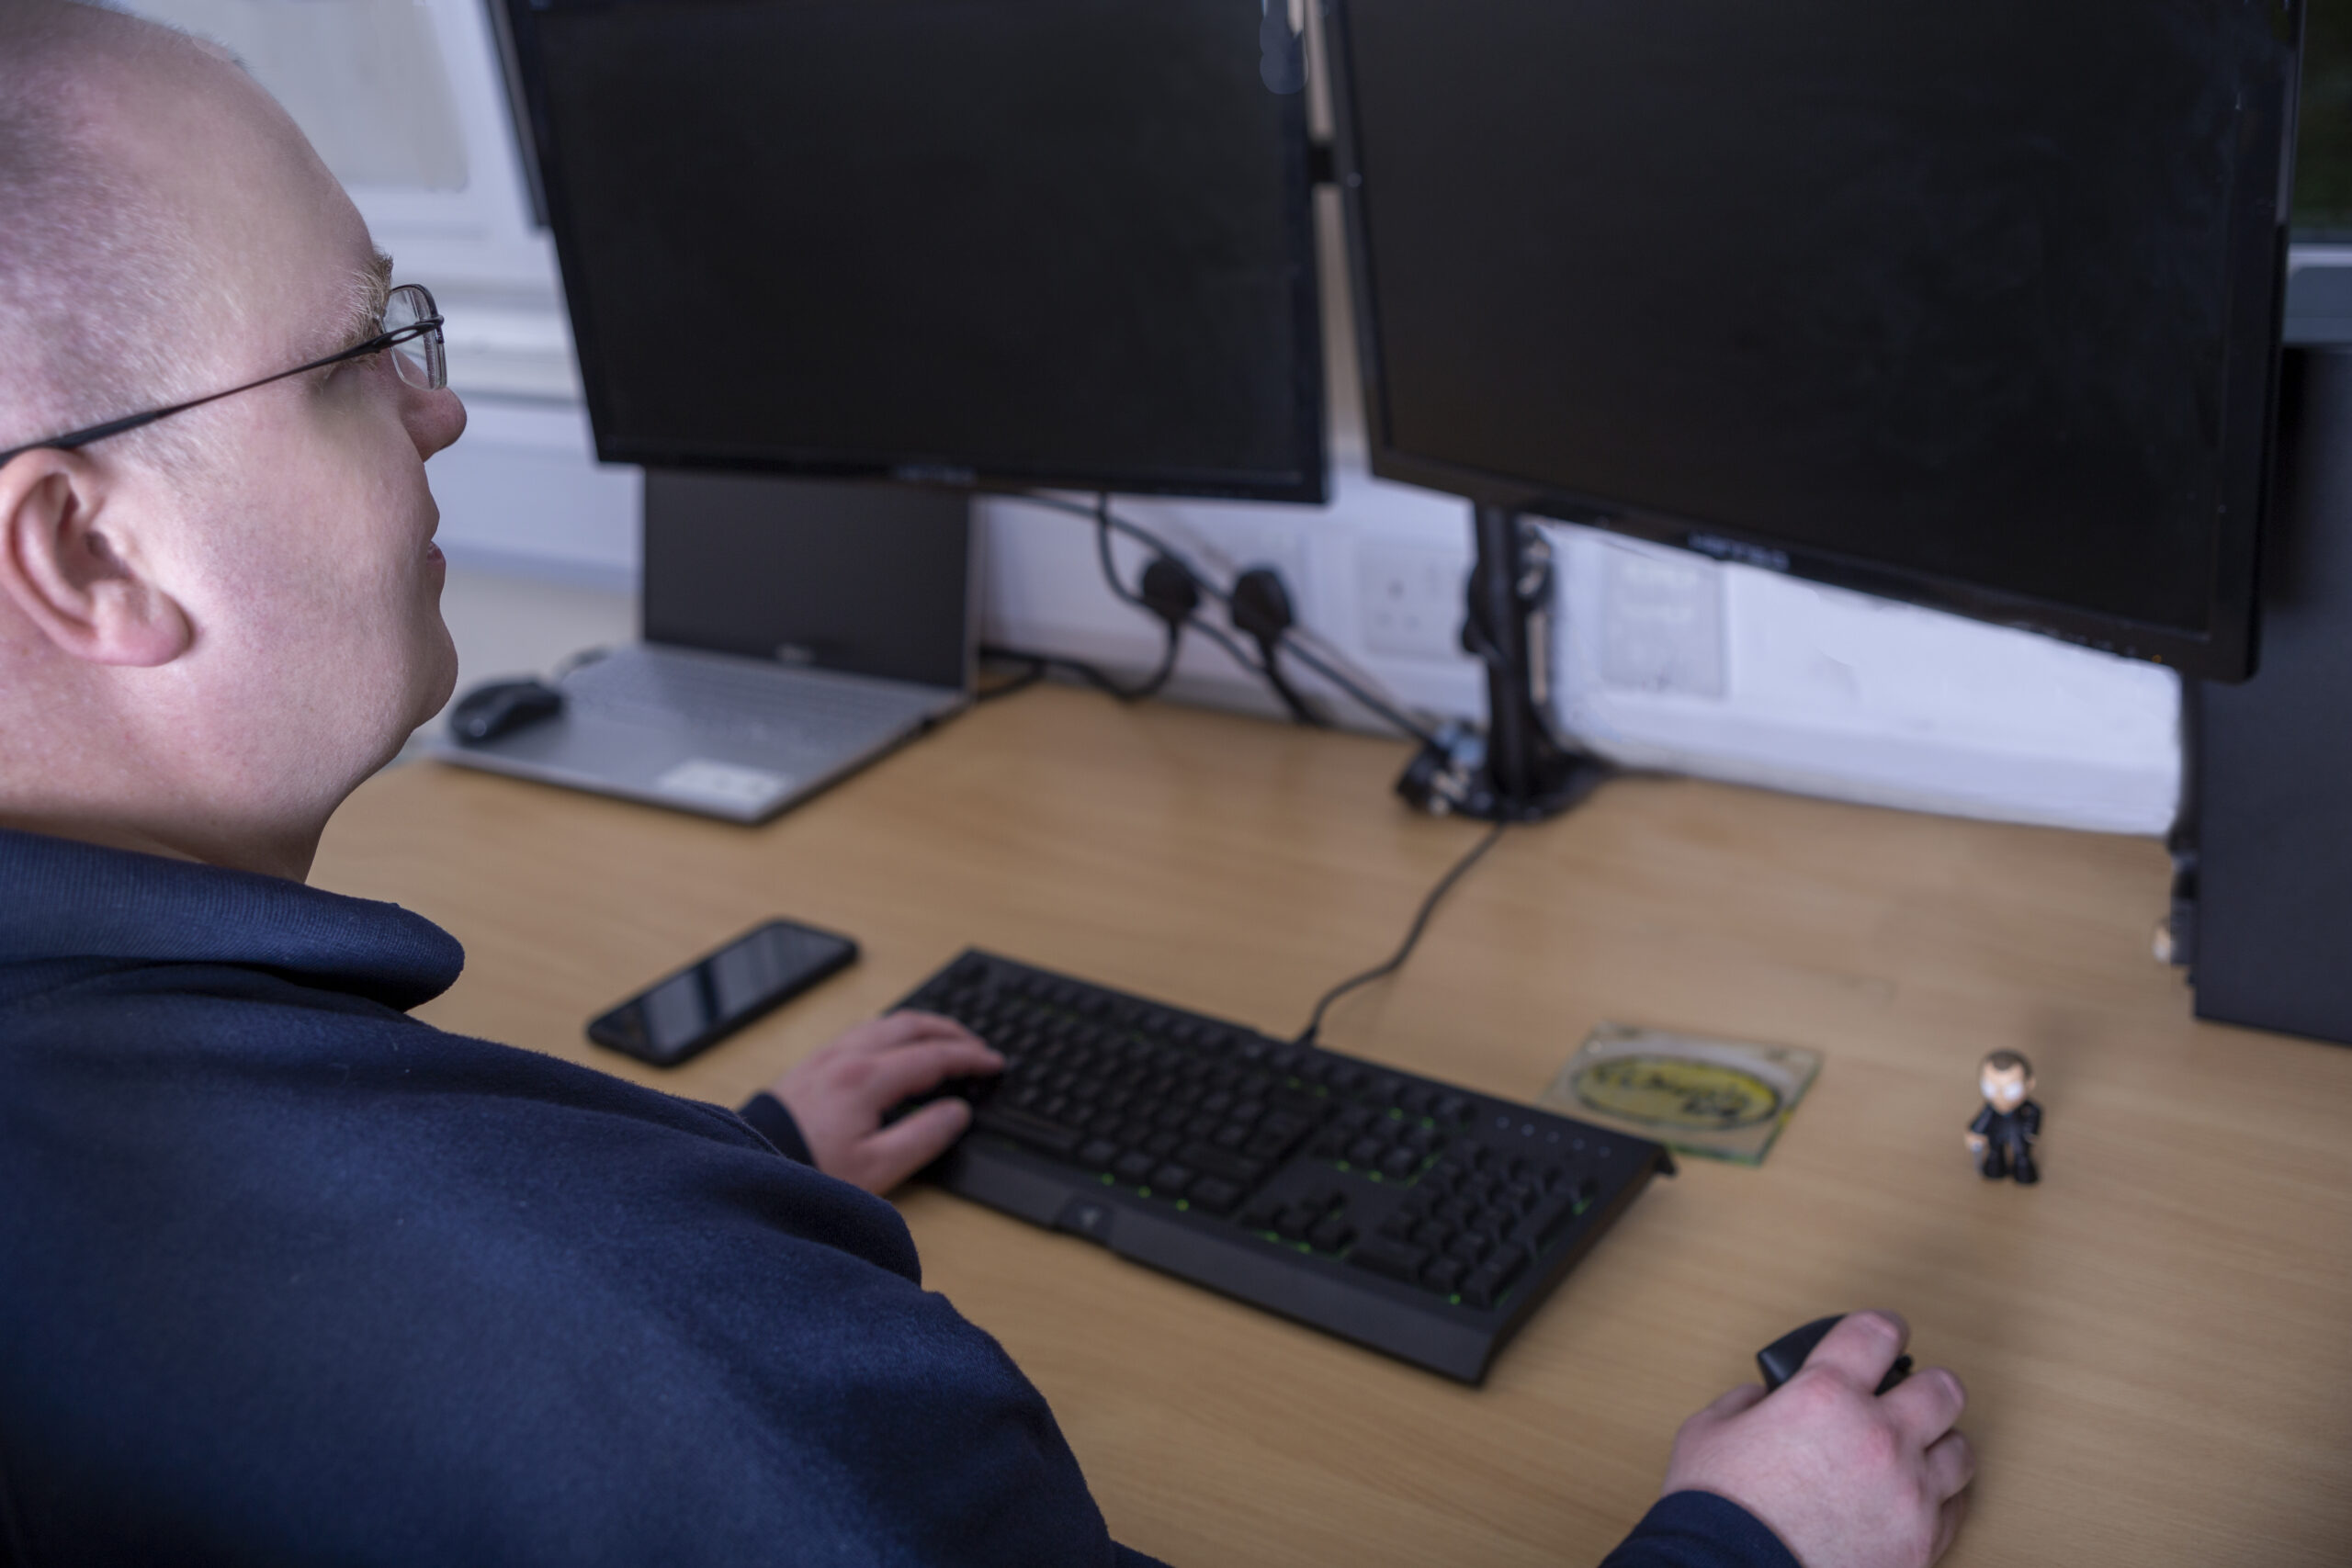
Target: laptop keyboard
[739,700]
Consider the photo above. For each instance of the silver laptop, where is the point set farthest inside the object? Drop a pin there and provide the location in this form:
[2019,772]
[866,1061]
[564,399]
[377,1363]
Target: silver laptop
[794,632]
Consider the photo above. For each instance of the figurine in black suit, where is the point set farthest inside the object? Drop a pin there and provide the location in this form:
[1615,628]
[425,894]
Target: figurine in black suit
[2002,1135]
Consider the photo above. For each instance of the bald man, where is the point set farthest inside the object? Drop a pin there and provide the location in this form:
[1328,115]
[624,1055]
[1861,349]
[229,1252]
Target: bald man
[287,1276]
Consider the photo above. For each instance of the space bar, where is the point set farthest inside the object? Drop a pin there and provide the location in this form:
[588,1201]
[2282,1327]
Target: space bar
[1023,1128]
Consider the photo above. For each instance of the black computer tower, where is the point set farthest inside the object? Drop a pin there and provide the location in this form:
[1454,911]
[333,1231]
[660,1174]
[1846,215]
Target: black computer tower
[2267,819]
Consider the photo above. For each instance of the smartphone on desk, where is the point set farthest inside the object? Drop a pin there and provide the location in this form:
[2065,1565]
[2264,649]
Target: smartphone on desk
[714,996]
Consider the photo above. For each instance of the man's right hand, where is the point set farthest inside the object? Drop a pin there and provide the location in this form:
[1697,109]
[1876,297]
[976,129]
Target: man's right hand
[1845,1477]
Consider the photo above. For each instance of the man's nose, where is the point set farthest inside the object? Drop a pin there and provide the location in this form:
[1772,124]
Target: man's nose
[434,420]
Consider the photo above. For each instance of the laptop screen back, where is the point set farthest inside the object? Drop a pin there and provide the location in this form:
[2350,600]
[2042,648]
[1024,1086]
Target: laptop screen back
[866,579]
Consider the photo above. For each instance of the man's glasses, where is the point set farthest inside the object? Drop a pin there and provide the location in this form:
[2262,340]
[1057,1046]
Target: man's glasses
[412,335]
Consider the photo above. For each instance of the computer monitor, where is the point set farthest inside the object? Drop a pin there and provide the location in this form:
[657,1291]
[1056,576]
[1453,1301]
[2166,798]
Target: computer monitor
[1971,305]
[993,243]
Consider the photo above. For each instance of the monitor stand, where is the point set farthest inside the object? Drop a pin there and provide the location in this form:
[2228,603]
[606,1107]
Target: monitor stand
[1516,770]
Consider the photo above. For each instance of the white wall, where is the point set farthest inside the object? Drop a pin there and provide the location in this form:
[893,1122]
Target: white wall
[1667,659]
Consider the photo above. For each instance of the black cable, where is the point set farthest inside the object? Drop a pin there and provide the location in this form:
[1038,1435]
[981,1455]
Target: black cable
[1021,683]
[1111,520]
[1299,711]
[1092,674]
[1420,920]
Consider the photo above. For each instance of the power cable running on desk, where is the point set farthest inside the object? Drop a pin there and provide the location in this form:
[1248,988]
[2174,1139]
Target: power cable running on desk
[1412,937]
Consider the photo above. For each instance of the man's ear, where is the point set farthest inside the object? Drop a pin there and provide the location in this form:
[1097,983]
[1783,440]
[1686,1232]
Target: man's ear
[70,576]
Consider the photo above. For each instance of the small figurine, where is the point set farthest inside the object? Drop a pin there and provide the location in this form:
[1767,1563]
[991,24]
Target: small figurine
[2002,1135]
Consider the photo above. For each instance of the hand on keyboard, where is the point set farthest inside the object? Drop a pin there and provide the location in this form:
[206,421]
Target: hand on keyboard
[839,1095]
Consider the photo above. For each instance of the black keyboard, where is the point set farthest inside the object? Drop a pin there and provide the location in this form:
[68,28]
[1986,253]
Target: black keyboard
[1400,1212]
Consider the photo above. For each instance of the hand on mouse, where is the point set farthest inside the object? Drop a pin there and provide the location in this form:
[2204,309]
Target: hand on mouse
[1845,1479]
[839,1095]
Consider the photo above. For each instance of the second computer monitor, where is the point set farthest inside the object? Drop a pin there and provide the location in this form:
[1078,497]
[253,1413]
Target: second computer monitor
[1969,304]
[993,242]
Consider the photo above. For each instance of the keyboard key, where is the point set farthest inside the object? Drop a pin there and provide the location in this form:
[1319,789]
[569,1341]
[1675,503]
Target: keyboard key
[1487,1284]
[1136,1165]
[1293,1223]
[1170,1180]
[1398,1260]
[1306,1108]
[1099,1154]
[1400,1163]
[1547,1219]
[1272,1142]
[1332,1234]
[1432,1233]
[1444,1274]
[1366,1151]
[1216,1197]
[1222,1164]
[1023,1128]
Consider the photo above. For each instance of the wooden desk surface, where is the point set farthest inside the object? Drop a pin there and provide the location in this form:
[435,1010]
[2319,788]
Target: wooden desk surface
[2157,1340]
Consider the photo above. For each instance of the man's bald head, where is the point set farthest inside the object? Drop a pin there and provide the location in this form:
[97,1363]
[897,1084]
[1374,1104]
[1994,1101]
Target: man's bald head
[88,262]
[113,292]
[212,627]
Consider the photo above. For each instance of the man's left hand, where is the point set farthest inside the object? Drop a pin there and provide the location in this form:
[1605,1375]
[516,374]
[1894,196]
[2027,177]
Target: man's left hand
[839,1095]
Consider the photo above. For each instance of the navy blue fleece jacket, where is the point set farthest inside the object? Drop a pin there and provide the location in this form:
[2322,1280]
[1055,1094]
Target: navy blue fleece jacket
[289,1276]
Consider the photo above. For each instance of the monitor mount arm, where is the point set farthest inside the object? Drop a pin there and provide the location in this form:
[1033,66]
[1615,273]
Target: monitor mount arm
[1516,770]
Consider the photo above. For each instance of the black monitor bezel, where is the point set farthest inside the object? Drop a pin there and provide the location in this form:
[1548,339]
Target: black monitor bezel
[1306,482]
[2225,651]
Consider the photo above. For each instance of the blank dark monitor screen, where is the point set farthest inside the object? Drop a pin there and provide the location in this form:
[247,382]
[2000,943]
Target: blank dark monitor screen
[1972,304]
[1014,242]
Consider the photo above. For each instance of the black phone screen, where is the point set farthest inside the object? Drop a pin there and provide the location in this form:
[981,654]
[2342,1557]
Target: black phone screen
[701,1004]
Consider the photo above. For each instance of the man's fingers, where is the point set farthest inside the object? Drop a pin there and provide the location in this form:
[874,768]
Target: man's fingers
[895,1030]
[1861,1346]
[906,1145]
[1948,1519]
[911,1069]
[1952,1465]
[1926,1404]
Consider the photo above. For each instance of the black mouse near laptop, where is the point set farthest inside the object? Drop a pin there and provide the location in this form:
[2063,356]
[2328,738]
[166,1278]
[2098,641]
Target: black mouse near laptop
[501,707]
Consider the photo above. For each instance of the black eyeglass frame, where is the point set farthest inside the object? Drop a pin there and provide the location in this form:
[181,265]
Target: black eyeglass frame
[427,325]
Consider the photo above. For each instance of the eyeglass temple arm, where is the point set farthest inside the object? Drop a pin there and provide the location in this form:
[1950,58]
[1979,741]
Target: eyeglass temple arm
[133,422]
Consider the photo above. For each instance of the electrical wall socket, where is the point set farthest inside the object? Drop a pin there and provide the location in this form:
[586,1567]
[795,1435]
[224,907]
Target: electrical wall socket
[1410,600]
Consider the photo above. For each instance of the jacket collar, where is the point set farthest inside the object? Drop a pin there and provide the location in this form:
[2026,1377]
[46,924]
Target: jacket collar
[62,901]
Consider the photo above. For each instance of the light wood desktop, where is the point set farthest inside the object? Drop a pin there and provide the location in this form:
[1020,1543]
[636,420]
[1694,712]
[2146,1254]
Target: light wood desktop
[2158,1339]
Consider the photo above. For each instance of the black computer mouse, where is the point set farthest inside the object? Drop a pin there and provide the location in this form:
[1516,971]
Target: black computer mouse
[1779,1359]
[501,707]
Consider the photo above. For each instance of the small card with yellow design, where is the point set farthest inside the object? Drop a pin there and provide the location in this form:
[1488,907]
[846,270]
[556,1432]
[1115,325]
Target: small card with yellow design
[1722,1099]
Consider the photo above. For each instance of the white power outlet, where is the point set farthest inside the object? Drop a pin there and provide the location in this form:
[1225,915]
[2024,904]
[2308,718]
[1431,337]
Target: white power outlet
[1411,601]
